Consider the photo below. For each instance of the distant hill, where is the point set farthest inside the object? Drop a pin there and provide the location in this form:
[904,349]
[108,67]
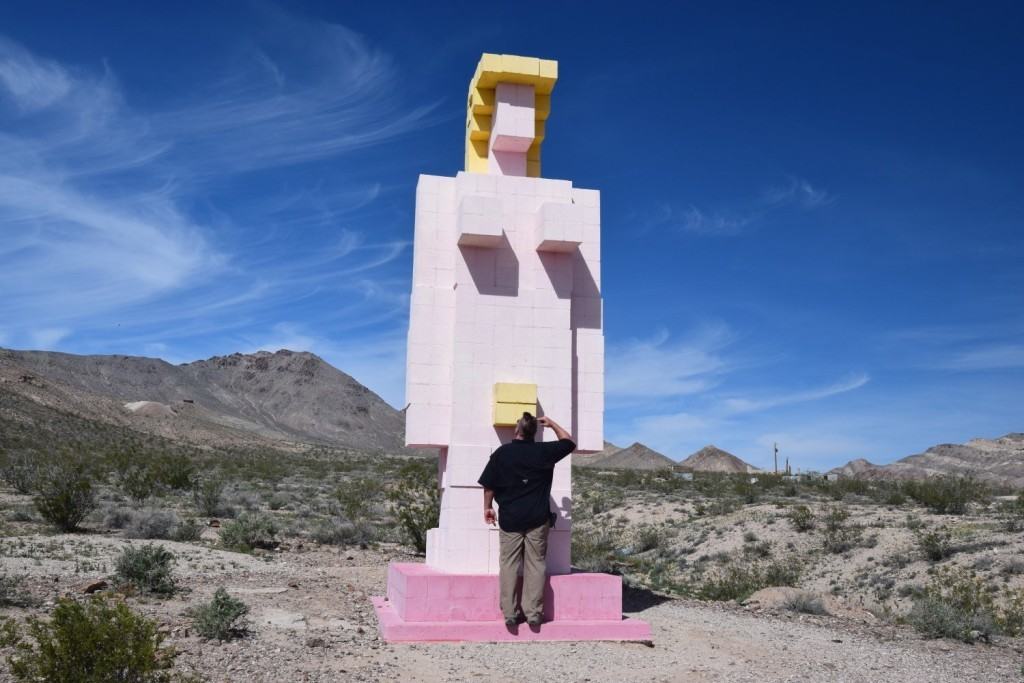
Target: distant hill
[999,461]
[635,457]
[225,400]
[854,468]
[714,459]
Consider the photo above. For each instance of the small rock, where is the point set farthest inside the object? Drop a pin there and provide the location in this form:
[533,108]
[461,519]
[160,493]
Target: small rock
[94,586]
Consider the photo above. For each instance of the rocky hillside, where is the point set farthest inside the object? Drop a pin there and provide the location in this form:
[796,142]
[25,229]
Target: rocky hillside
[282,396]
[998,461]
[854,468]
[714,459]
[635,457]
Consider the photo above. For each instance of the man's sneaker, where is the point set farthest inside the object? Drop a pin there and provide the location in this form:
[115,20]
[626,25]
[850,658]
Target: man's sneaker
[511,623]
[534,621]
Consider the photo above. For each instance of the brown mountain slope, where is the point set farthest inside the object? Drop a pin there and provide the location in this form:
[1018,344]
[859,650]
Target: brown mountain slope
[999,461]
[635,457]
[714,459]
[588,459]
[282,396]
[854,468]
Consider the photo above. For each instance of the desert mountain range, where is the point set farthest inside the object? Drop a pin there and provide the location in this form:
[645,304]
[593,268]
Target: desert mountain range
[258,398]
[999,460]
[291,397]
[713,459]
[635,457]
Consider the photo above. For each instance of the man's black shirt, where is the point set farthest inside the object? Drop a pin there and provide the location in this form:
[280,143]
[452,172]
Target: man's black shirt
[520,474]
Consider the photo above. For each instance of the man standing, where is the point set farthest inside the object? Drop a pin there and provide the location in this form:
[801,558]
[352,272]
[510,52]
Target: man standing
[518,476]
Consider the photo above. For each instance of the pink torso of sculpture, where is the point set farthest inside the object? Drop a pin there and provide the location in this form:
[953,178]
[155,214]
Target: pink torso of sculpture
[505,313]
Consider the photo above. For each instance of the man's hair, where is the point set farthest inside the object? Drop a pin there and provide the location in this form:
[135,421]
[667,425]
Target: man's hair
[527,426]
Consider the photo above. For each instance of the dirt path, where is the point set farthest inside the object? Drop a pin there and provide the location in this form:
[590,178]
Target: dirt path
[312,621]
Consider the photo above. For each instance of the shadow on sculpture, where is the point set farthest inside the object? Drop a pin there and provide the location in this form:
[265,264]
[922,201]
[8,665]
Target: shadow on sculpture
[494,270]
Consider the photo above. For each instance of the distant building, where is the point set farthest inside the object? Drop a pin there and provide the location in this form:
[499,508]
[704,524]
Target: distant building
[682,472]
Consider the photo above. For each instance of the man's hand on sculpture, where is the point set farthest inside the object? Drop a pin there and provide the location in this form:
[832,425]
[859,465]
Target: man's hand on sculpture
[546,421]
[490,517]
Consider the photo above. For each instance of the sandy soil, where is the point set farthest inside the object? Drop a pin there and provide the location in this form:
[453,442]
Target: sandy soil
[312,621]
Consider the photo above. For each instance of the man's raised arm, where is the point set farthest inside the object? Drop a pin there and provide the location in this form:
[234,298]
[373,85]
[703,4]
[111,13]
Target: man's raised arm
[555,427]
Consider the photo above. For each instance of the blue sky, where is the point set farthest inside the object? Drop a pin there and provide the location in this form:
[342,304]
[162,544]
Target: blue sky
[813,217]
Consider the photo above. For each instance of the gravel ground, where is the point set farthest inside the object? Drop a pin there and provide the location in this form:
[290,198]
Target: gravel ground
[312,621]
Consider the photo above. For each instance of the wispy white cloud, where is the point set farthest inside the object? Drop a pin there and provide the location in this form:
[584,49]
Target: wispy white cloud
[66,253]
[987,357]
[963,348]
[30,82]
[798,191]
[665,431]
[109,219]
[330,92]
[737,405]
[798,194]
[677,395]
[661,367]
[46,339]
[693,220]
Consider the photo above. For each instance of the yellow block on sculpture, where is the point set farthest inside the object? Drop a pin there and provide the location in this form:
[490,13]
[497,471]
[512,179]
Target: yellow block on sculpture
[507,414]
[491,70]
[508,392]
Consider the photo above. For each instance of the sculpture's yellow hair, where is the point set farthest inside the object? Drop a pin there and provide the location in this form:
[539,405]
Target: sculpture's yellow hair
[492,69]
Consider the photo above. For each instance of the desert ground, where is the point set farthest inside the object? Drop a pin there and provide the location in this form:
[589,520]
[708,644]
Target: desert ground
[733,589]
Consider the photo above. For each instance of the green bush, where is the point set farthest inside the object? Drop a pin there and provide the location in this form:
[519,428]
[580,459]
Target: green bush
[97,641]
[935,545]
[737,581]
[147,568]
[65,494]
[187,531]
[801,517]
[839,538]
[208,496]
[416,501]
[173,472]
[223,618]
[805,603]
[343,532]
[137,482]
[1013,513]
[150,524]
[646,537]
[20,471]
[955,604]
[947,495]
[250,531]
[595,550]
[13,592]
[356,497]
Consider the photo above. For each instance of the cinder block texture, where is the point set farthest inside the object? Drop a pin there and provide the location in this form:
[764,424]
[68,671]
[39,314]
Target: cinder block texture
[420,593]
[505,310]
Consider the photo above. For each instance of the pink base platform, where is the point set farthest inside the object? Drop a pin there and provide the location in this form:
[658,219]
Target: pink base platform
[424,604]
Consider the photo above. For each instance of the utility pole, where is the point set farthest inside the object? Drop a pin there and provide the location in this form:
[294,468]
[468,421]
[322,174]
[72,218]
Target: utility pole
[776,458]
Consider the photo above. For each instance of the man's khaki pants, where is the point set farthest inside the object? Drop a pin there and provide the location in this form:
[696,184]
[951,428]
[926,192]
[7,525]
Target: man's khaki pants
[531,547]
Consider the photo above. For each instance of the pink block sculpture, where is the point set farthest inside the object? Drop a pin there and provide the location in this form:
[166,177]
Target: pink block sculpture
[506,289]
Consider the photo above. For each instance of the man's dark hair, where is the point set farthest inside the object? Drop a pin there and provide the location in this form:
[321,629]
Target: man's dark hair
[527,426]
